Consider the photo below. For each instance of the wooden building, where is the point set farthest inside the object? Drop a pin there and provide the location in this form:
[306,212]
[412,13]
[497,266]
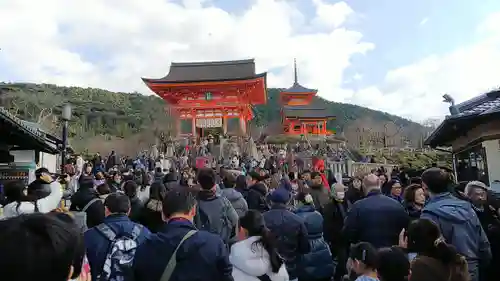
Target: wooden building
[472,131]
[210,93]
[23,148]
[300,114]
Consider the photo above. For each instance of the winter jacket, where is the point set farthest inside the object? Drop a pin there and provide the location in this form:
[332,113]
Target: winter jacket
[202,257]
[318,263]
[376,219]
[44,205]
[250,261]
[412,211]
[460,227]
[291,232]
[239,203]
[256,197]
[151,215]
[136,206]
[353,194]
[95,212]
[98,245]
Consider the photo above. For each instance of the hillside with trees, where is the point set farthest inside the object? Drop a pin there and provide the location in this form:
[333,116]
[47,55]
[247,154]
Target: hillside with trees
[103,115]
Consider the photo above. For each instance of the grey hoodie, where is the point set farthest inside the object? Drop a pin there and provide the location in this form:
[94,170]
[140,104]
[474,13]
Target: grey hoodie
[239,203]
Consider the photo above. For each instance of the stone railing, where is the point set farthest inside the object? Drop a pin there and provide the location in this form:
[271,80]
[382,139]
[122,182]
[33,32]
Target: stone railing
[355,168]
[348,167]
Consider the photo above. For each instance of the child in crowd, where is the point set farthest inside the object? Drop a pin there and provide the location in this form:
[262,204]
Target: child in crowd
[363,262]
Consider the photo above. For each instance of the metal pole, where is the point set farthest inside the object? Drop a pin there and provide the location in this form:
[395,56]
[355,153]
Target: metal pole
[64,145]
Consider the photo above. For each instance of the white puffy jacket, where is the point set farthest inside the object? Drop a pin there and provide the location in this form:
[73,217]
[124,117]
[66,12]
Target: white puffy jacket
[45,205]
[249,262]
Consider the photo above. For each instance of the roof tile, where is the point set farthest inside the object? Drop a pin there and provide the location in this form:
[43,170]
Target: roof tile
[209,71]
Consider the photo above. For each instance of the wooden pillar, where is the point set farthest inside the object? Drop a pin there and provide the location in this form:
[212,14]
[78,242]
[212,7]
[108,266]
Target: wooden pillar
[224,124]
[324,126]
[193,126]
[292,128]
[302,128]
[243,124]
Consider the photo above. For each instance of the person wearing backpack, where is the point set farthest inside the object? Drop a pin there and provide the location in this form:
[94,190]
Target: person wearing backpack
[86,206]
[179,251]
[215,213]
[236,198]
[257,192]
[111,245]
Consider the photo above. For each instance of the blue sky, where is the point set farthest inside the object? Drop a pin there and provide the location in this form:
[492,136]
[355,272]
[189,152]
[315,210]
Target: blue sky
[403,31]
[401,39]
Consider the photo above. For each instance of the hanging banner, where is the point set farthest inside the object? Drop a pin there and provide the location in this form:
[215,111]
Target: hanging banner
[209,122]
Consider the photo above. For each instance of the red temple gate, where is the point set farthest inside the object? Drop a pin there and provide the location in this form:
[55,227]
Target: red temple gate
[210,93]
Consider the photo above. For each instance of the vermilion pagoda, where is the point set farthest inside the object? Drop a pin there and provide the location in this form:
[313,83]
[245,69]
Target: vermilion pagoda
[209,93]
[301,115]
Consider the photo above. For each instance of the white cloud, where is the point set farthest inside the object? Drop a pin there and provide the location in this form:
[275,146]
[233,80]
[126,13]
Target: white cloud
[331,15]
[424,21]
[416,90]
[51,41]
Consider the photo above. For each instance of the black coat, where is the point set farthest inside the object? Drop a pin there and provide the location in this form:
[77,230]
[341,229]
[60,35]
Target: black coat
[256,197]
[376,219]
[292,236]
[151,216]
[95,212]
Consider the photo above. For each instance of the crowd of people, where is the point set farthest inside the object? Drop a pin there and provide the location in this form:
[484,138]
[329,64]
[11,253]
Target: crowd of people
[121,222]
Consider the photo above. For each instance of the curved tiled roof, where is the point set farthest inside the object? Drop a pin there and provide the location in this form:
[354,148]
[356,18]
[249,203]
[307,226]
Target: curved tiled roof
[209,71]
[297,88]
[22,127]
[480,107]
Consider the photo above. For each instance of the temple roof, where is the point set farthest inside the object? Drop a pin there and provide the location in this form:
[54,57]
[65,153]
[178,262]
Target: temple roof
[20,133]
[480,105]
[209,71]
[296,87]
[307,111]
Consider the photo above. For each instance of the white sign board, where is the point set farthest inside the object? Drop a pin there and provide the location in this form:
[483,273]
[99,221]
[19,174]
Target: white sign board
[209,122]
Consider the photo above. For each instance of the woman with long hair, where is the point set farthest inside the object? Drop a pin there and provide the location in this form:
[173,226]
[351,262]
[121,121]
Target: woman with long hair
[151,214]
[256,257]
[436,260]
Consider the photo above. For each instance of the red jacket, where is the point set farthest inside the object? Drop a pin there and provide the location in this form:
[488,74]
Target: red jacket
[319,165]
